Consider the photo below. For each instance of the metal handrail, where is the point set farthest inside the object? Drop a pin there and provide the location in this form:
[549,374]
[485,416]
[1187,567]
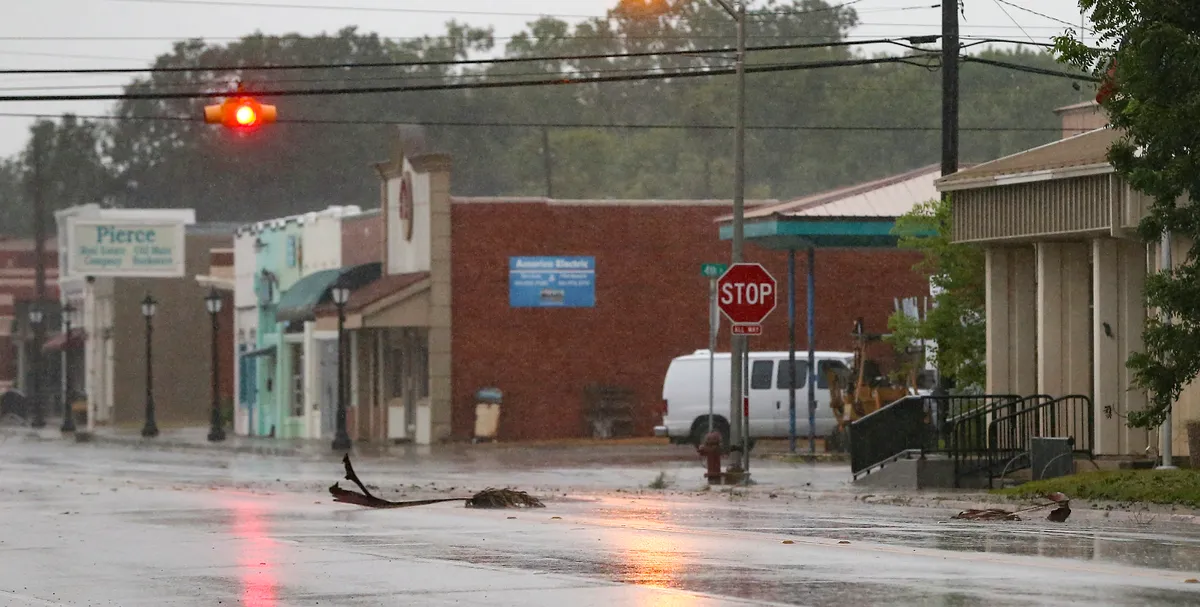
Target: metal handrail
[984,456]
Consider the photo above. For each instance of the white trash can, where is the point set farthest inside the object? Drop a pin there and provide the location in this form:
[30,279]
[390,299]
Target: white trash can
[487,414]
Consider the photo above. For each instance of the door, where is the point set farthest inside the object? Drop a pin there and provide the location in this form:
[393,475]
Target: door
[327,354]
[762,398]
[781,406]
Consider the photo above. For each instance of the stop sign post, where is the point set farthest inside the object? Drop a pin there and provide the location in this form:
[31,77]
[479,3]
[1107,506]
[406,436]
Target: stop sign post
[746,295]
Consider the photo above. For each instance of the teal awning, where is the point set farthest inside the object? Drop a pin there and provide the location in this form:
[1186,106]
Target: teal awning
[267,351]
[300,301]
[784,233]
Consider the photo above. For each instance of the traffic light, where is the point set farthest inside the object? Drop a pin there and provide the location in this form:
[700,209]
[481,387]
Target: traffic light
[242,113]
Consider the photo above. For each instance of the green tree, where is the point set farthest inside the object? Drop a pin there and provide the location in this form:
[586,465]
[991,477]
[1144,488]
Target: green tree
[1155,48]
[956,319]
[162,156]
[73,170]
[12,198]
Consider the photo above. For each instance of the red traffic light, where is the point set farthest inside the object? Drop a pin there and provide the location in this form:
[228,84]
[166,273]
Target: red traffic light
[240,113]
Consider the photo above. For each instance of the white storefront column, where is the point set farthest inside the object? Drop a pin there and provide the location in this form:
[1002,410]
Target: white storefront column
[1064,363]
[1119,273]
[1010,307]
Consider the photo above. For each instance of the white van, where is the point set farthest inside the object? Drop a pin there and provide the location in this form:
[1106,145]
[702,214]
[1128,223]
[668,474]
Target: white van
[685,395]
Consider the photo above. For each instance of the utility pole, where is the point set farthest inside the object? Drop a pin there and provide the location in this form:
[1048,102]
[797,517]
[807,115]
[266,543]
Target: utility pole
[39,281]
[950,50]
[547,163]
[1166,448]
[737,344]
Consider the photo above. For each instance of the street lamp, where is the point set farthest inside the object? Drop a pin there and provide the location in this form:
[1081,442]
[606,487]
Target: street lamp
[68,313]
[737,344]
[341,294]
[212,302]
[36,316]
[149,306]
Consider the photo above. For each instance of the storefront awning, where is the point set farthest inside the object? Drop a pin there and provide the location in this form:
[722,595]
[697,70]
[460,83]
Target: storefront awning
[267,351]
[58,341]
[300,301]
[395,300]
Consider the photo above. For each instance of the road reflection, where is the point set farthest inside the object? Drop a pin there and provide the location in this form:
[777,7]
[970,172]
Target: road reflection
[256,552]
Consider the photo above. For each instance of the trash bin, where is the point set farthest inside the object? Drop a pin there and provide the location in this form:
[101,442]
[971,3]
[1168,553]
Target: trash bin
[14,406]
[487,414]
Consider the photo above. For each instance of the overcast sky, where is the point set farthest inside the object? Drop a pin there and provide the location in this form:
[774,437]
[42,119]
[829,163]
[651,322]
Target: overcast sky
[130,33]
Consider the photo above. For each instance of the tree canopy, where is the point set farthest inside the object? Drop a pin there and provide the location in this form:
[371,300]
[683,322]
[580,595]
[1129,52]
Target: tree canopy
[1149,53]
[829,127]
[956,272]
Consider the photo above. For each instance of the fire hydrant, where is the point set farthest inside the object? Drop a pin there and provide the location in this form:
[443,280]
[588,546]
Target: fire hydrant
[710,450]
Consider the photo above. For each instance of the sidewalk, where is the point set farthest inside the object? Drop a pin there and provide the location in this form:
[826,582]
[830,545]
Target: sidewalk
[629,450]
[176,438]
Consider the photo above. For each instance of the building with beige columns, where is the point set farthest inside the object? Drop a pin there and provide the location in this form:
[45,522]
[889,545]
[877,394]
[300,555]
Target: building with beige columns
[1065,275]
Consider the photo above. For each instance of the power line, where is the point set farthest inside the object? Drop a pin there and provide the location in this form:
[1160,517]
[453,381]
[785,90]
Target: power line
[430,11]
[563,125]
[497,60]
[450,62]
[182,38]
[1044,16]
[562,80]
[1030,69]
[1010,18]
[348,79]
[666,75]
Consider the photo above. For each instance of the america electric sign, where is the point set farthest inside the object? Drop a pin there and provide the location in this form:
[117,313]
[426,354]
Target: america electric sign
[105,248]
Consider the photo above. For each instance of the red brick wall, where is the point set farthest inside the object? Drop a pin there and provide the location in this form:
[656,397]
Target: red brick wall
[362,239]
[651,306]
[17,280]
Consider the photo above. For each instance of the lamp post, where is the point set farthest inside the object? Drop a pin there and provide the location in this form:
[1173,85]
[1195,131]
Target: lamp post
[341,294]
[738,344]
[212,302]
[36,316]
[68,425]
[149,306]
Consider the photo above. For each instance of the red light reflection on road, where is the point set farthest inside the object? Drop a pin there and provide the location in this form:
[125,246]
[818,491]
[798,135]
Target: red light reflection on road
[256,552]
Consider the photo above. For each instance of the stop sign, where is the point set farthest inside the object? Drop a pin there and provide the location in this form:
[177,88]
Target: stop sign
[746,293]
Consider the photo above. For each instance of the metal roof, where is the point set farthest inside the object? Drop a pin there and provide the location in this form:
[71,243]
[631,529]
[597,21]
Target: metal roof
[888,197]
[1058,159]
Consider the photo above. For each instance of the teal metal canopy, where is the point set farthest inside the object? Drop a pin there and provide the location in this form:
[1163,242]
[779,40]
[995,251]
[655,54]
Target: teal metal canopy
[783,232]
[300,302]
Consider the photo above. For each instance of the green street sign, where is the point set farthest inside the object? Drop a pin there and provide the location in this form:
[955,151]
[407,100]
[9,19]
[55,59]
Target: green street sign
[713,270]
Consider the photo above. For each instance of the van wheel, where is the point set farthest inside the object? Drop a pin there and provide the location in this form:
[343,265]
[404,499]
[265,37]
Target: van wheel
[700,429]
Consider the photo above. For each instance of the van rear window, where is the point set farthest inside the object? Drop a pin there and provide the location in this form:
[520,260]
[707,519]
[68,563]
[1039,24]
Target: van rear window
[830,365]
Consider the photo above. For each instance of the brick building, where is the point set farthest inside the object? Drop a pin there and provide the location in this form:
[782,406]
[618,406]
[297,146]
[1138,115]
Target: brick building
[651,304]
[439,324]
[17,292]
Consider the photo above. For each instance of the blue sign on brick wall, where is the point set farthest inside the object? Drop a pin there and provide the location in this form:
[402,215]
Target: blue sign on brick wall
[552,282]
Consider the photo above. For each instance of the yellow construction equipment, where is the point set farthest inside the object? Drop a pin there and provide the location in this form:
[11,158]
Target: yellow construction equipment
[863,390]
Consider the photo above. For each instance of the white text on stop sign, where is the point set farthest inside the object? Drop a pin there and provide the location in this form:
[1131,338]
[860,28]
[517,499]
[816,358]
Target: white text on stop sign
[751,294]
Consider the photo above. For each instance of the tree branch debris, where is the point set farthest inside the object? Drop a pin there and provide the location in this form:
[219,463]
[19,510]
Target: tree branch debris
[488,498]
[1058,515]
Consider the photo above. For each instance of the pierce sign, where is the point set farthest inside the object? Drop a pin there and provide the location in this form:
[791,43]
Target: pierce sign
[746,295]
[126,248]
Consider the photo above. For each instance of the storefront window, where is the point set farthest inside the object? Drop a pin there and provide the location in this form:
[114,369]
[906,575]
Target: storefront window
[421,351]
[297,375]
[396,371]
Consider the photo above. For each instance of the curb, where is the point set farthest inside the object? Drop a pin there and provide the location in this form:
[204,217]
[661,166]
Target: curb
[155,443]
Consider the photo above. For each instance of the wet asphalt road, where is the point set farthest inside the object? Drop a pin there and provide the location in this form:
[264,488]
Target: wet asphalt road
[93,525]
